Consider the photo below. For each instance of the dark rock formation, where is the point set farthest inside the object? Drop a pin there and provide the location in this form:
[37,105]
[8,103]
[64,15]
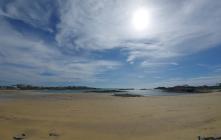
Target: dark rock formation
[127,95]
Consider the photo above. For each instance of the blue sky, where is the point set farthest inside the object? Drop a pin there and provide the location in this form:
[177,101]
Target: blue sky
[94,43]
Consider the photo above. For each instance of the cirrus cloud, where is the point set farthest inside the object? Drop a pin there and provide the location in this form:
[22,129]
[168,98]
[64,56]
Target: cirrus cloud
[67,40]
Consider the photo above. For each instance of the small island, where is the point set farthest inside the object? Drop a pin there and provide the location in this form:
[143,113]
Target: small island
[191,89]
[31,87]
[127,95]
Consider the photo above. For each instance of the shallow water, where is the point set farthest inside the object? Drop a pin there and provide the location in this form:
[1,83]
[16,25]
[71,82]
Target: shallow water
[154,92]
[38,93]
[149,92]
[63,91]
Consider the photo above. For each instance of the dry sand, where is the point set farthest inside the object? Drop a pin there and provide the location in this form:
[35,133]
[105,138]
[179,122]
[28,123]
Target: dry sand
[105,117]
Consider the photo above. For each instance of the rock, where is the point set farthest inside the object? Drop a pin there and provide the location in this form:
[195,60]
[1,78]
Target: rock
[127,95]
[19,137]
[53,134]
[209,138]
[23,134]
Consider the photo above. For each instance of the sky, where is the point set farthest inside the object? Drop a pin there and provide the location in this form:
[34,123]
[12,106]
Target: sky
[110,43]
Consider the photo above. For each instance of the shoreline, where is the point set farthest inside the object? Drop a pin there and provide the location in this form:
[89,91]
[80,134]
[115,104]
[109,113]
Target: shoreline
[125,94]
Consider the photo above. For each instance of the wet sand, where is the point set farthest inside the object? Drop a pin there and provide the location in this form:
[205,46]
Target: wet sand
[105,117]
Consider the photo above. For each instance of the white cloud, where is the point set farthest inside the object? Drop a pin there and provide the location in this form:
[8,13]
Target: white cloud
[26,58]
[178,28]
[36,13]
[155,64]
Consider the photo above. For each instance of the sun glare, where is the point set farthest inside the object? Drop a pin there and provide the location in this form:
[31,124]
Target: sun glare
[141,19]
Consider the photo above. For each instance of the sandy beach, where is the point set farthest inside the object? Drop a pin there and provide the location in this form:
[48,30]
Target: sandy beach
[105,117]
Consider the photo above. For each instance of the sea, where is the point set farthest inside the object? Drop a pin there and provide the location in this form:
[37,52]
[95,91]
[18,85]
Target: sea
[146,92]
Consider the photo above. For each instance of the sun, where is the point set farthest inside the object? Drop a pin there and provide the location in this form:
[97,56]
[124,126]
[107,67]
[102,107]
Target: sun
[141,19]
